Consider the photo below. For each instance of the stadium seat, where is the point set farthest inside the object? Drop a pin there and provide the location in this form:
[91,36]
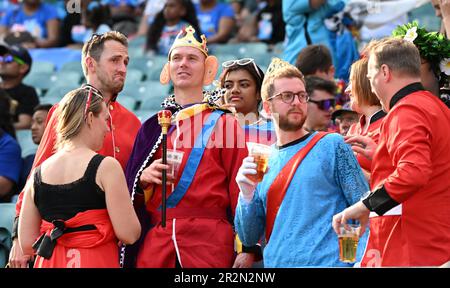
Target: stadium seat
[134,76]
[7,215]
[127,102]
[42,67]
[72,66]
[61,89]
[153,103]
[143,115]
[26,142]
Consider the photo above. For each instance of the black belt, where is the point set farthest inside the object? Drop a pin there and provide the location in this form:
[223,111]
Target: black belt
[45,245]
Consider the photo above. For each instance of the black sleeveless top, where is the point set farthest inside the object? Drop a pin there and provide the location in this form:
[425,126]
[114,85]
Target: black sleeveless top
[66,200]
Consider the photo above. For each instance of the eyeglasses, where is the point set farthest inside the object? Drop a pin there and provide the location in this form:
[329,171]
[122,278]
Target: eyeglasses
[241,62]
[9,59]
[288,97]
[325,105]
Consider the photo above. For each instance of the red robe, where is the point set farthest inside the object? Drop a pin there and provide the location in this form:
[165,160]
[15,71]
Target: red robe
[87,249]
[373,131]
[125,126]
[413,164]
[203,232]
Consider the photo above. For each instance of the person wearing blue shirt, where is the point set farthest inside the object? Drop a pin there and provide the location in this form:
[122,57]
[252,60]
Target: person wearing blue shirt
[10,153]
[216,20]
[328,178]
[309,14]
[39,19]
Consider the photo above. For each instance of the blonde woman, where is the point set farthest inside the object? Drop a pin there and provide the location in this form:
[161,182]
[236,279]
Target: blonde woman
[76,203]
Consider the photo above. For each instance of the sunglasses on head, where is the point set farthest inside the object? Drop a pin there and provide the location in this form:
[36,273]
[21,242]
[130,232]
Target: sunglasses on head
[9,59]
[325,105]
[241,62]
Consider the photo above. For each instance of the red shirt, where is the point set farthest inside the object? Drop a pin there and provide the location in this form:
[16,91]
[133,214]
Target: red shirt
[412,161]
[125,126]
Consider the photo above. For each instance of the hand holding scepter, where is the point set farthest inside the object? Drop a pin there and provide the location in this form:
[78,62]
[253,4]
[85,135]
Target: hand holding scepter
[164,118]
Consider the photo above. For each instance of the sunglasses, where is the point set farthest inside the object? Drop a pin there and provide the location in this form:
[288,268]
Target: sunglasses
[241,62]
[325,105]
[92,91]
[288,97]
[9,59]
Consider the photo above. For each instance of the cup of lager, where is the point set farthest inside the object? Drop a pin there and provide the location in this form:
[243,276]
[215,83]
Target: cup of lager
[260,154]
[348,241]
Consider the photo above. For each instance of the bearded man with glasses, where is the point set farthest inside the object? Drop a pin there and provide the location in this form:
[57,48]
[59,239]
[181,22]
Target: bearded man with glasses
[310,175]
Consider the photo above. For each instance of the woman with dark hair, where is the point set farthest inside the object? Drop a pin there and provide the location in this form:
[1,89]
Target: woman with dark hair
[95,20]
[176,15]
[242,80]
[10,154]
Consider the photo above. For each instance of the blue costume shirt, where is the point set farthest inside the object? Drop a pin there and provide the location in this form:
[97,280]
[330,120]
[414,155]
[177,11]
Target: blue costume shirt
[10,158]
[327,181]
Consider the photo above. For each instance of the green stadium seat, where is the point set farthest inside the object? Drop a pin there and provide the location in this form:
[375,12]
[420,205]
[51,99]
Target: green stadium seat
[42,67]
[26,142]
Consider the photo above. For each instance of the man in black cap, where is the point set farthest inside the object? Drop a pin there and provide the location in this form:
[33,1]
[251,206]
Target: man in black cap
[344,118]
[15,63]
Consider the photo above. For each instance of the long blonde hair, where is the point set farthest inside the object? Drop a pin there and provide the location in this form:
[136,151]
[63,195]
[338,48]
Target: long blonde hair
[72,112]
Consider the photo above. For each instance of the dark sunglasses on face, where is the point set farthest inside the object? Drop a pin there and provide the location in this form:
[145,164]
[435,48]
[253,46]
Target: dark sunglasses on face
[9,59]
[325,105]
[288,97]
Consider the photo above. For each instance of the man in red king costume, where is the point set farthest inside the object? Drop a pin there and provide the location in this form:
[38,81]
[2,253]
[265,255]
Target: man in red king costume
[201,193]
[410,168]
[104,61]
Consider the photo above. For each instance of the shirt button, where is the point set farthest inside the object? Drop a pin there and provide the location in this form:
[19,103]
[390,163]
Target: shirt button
[117,149]
[111,107]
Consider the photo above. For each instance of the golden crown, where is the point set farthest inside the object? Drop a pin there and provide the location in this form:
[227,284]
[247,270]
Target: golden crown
[276,65]
[186,38]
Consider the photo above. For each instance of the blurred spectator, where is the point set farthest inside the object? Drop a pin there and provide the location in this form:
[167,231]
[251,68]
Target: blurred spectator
[316,60]
[14,66]
[266,25]
[304,24]
[152,7]
[176,15]
[321,103]
[37,24]
[68,23]
[37,130]
[344,118]
[442,9]
[123,13]
[10,154]
[95,20]
[216,20]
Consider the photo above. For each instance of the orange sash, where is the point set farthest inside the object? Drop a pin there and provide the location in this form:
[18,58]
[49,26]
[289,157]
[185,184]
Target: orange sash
[281,183]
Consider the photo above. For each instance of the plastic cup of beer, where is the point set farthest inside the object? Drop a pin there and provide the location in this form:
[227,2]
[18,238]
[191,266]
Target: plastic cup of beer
[260,154]
[348,241]
[174,159]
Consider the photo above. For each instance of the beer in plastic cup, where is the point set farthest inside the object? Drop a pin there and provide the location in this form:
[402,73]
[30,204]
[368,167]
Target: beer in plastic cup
[260,154]
[348,241]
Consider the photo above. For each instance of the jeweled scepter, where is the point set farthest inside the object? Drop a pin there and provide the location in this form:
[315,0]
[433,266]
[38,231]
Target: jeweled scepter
[164,118]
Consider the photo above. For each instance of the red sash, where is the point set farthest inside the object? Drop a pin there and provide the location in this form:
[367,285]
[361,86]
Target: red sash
[281,183]
[88,249]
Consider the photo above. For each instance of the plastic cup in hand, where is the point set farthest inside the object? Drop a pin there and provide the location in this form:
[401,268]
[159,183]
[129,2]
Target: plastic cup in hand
[174,159]
[348,241]
[260,154]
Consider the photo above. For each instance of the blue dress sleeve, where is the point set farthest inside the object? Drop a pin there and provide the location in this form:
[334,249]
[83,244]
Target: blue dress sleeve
[250,220]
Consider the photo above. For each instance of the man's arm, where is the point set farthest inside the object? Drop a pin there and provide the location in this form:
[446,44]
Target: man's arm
[52,37]
[24,122]
[5,186]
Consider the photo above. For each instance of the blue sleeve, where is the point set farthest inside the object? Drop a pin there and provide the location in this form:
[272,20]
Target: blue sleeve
[10,160]
[7,19]
[295,6]
[250,220]
[50,12]
[349,173]
[226,11]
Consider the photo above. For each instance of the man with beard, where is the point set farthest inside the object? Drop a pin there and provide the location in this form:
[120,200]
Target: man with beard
[310,176]
[104,61]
